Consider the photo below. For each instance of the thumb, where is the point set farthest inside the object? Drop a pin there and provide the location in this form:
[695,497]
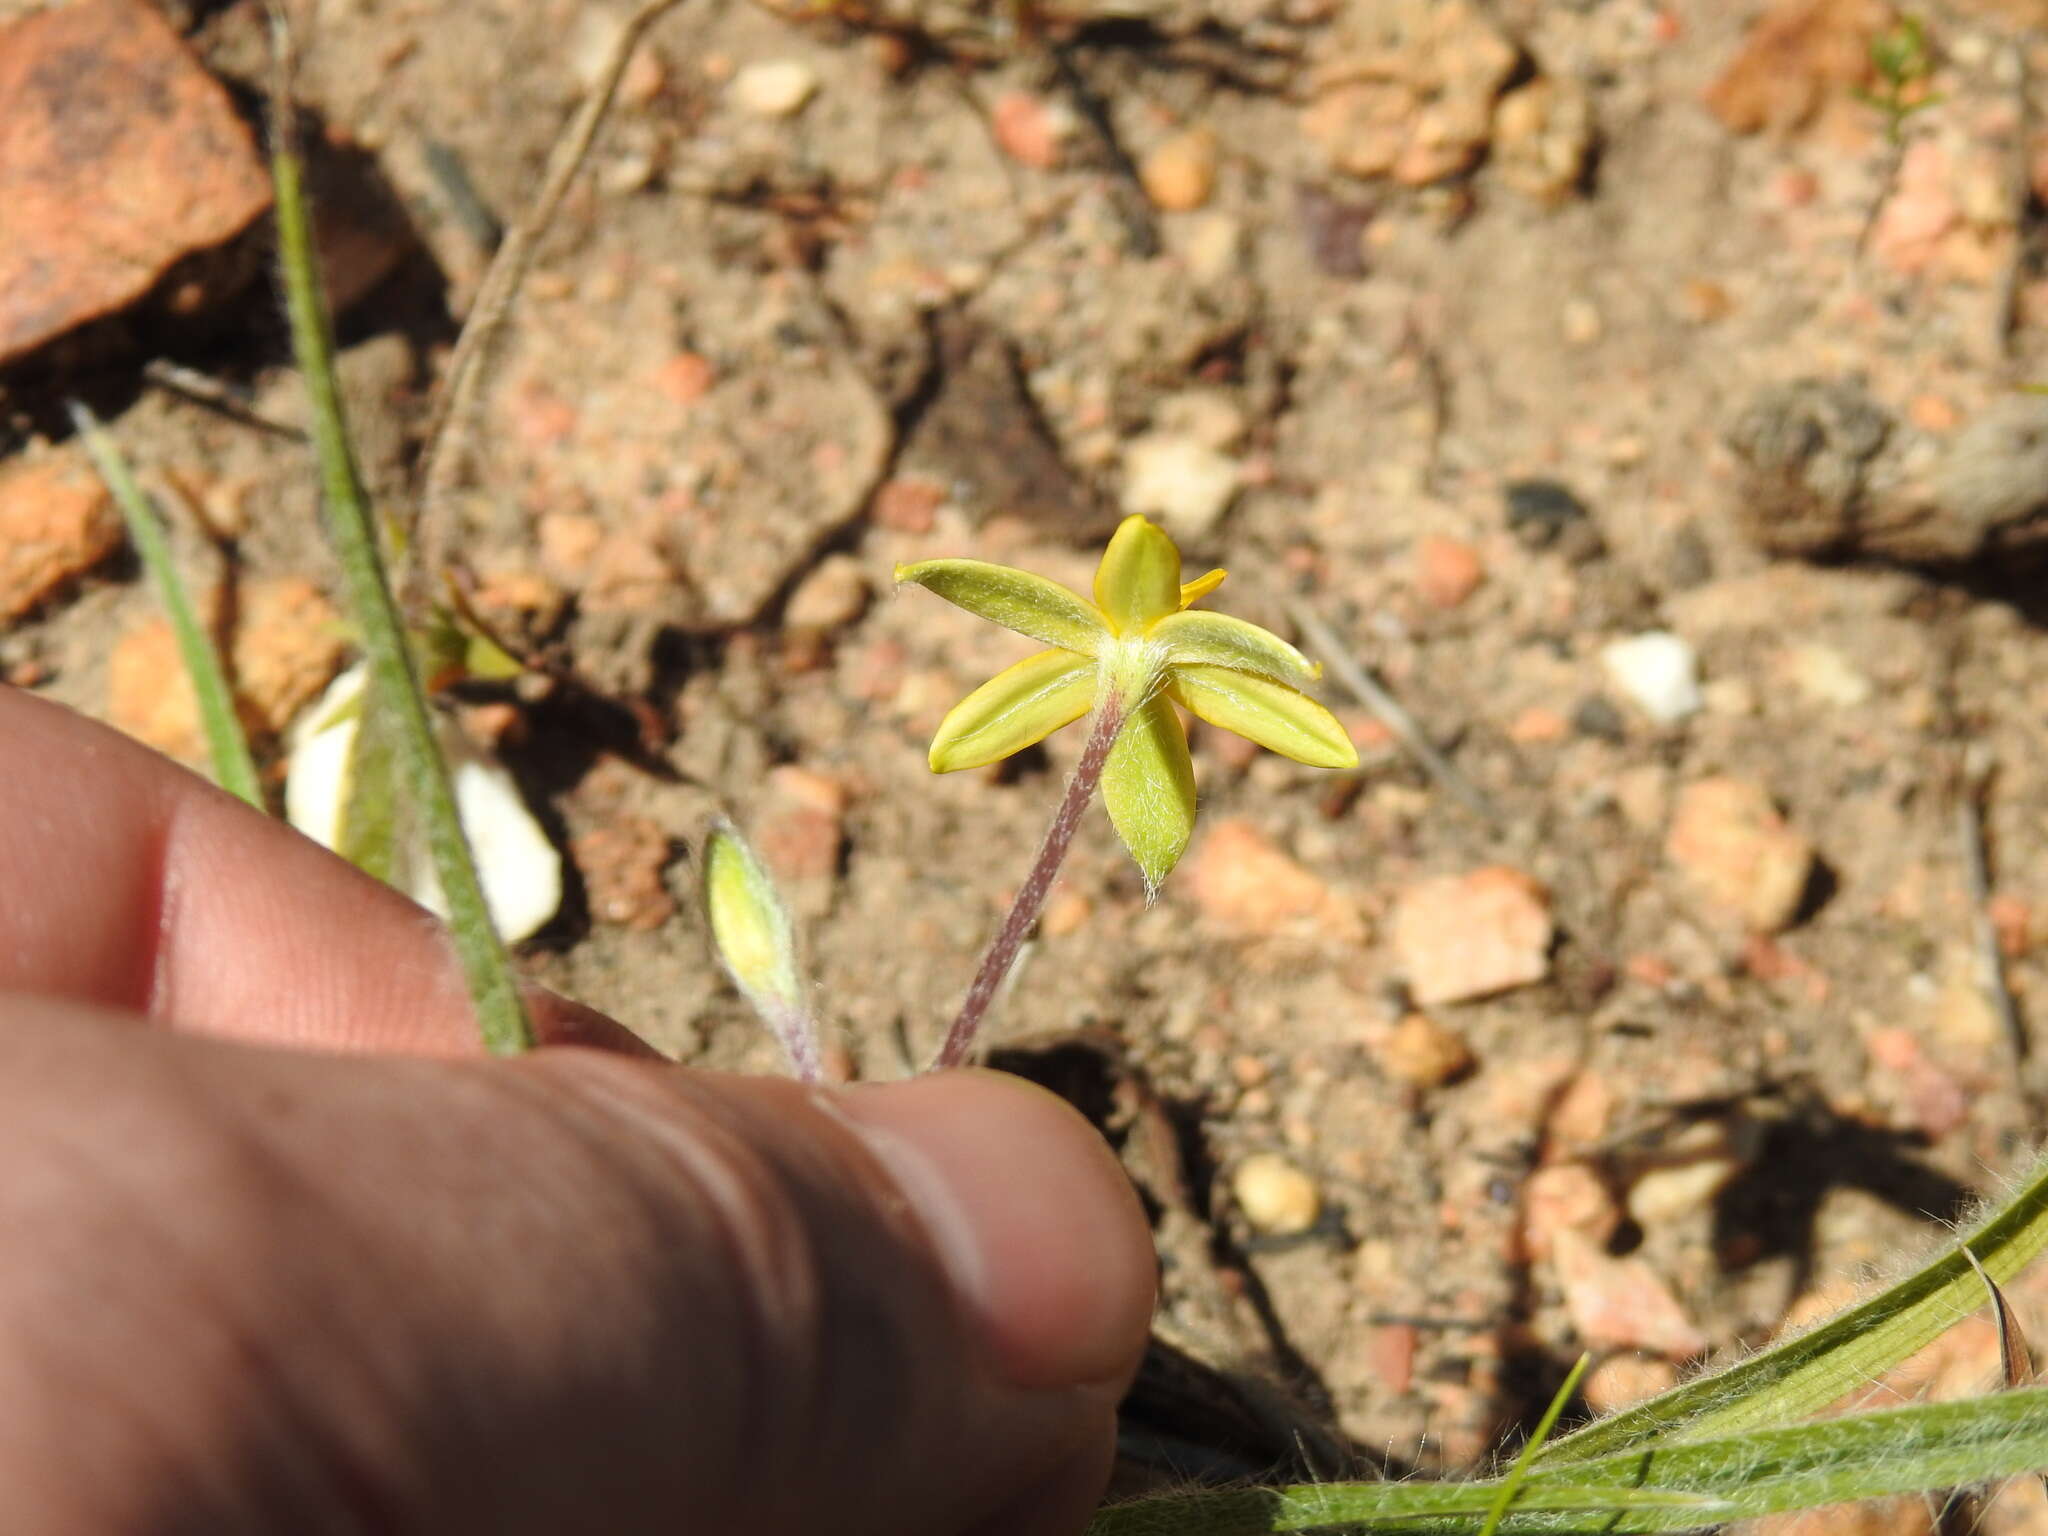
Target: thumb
[930,1296]
[576,1291]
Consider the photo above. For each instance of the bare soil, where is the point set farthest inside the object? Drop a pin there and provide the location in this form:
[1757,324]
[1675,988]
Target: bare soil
[754,344]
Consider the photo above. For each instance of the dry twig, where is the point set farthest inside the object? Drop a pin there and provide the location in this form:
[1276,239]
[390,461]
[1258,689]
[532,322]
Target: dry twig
[1369,691]
[443,457]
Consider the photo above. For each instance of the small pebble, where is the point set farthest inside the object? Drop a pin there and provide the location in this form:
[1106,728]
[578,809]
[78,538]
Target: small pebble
[1276,1197]
[1658,671]
[1180,174]
[1418,1052]
[1209,416]
[1621,1303]
[1447,571]
[1662,1196]
[832,596]
[1566,1197]
[1029,129]
[1739,852]
[685,378]
[1067,912]
[774,87]
[56,523]
[1826,676]
[1464,936]
[908,504]
[1596,716]
[1701,301]
[1622,1381]
[1538,511]
[1688,562]
[1580,322]
[1537,726]
[1213,246]
[1240,881]
[1180,480]
[621,863]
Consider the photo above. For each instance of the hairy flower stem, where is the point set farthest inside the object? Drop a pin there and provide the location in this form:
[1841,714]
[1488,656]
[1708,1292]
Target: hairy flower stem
[1002,954]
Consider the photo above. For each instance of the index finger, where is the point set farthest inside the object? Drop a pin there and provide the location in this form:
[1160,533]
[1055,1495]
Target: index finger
[129,882]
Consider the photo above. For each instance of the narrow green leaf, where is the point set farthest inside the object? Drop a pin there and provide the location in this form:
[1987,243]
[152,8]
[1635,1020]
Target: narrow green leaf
[1652,1489]
[1017,708]
[1512,1483]
[487,969]
[234,768]
[1148,787]
[1031,605]
[1804,1374]
[1279,718]
[1219,640]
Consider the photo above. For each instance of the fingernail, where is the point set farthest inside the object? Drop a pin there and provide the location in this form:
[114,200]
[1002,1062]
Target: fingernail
[1039,1229]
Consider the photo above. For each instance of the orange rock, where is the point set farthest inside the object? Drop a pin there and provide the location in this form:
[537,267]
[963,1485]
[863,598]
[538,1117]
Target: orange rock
[1180,173]
[907,505]
[1932,413]
[1566,1197]
[1418,1052]
[1390,1355]
[2012,919]
[1065,912]
[1796,55]
[1465,936]
[1903,1515]
[1914,224]
[1583,1113]
[56,523]
[685,378]
[1028,129]
[1620,1303]
[1622,1381]
[800,834]
[286,648]
[149,695]
[1241,881]
[119,156]
[1447,571]
[1738,851]
[1537,726]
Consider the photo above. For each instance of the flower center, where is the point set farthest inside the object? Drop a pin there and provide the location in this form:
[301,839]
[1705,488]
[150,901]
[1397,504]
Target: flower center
[1131,670]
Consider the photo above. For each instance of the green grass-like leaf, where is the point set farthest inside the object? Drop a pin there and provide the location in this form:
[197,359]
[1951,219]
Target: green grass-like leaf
[234,768]
[1519,1472]
[393,682]
[1805,1374]
[1647,1491]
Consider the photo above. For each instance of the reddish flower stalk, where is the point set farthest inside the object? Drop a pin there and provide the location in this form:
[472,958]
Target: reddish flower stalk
[1009,939]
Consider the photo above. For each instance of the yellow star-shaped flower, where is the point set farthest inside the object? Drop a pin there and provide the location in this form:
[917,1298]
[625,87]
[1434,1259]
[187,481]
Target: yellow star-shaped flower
[1141,648]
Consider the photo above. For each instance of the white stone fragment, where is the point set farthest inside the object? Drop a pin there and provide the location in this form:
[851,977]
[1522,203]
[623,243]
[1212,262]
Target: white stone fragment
[1659,672]
[1180,480]
[1277,1198]
[775,87]
[520,869]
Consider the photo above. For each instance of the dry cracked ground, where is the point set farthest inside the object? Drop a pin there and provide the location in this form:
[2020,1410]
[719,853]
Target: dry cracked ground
[1636,393]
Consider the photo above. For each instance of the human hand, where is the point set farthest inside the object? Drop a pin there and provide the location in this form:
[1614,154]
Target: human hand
[379,1283]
